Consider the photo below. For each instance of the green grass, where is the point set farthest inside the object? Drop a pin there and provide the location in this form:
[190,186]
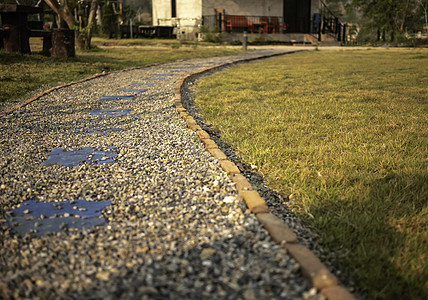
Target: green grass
[346,134]
[21,74]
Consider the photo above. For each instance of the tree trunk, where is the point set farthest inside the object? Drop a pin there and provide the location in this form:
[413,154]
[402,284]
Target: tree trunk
[91,21]
[63,43]
[83,36]
[403,19]
[63,11]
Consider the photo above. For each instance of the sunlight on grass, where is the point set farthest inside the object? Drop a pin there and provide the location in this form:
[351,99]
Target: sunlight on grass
[346,134]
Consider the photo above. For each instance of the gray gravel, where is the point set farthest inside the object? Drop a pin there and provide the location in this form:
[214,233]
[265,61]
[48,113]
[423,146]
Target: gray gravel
[176,228]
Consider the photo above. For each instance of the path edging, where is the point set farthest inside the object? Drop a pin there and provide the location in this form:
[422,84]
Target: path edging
[311,267]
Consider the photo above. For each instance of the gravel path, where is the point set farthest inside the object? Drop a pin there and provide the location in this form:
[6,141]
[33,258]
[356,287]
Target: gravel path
[176,228]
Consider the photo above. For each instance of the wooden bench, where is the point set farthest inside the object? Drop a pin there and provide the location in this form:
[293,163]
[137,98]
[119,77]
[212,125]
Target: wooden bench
[234,22]
[16,33]
[17,30]
[125,31]
[276,26]
[147,31]
[47,39]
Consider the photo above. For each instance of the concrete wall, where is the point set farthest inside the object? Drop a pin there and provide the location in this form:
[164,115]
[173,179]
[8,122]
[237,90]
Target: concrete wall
[161,9]
[187,21]
[196,8]
[188,16]
[189,8]
[315,6]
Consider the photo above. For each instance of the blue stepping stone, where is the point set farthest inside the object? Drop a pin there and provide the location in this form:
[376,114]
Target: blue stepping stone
[132,91]
[107,112]
[74,157]
[117,98]
[188,67]
[142,83]
[164,74]
[95,130]
[81,208]
[39,218]
[157,78]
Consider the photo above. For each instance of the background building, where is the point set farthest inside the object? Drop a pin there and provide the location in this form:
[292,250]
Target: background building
[266,17]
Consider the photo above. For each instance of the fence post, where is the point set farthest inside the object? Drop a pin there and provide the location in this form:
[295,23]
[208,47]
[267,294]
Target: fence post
[16,38]
[324,24]
[338,31]
[344,33]
[244,43]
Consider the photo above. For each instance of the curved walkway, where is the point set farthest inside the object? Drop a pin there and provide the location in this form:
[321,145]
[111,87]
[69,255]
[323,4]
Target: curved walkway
[174,225]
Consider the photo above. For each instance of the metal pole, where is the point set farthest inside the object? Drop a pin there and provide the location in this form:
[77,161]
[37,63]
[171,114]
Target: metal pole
[130,28]
[244,43]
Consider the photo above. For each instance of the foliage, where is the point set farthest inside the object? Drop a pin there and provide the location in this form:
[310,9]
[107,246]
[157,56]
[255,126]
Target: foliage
[343,135]
[385,18]
[211,35]
[83,25]
[109,20]
[344,10]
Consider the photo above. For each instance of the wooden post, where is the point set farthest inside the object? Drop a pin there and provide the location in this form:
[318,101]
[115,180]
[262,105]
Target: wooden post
[16,33]
[47,45]
[244,42]
[12,38]
[63,43]
[15,39]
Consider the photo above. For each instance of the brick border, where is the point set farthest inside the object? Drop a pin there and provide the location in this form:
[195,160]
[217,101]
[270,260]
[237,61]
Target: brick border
[311,267]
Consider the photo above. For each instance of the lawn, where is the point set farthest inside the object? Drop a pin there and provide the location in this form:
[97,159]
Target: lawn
[22,74]
[344,136]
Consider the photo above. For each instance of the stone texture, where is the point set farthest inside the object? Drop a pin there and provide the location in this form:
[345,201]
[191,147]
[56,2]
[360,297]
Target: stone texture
[194,127]
[203,134]
[209,144]
[229,167]
[217,153]
[312,268]
[337,293]
[241,182]
[254,202]
[277,229]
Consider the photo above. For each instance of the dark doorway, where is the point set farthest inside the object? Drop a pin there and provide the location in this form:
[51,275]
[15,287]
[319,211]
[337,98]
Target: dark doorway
[173,9]
[297,16]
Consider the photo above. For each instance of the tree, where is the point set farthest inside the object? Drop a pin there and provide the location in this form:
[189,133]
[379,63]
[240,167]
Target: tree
[392,16]
[83,34]
[109,20]
[423,5]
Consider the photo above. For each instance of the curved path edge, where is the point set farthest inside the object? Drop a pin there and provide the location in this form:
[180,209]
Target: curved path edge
[312,268]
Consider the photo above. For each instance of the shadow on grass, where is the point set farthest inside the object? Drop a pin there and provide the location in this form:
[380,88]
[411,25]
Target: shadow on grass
[381,246]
